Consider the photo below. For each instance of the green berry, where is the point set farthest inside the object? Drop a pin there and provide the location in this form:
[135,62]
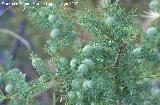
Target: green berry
[88,84]
[85,86]
[72,96]
[136,51]
[57,25]
[83,69]
[52,18]
[157,92]
[72,35]
[148,82]
[87,51]
[79,94]
[109,22]
[76,84]
[154,4]
[93,103]
[152,31]
[73,63]
[89,62]
[55,33]
[9,88]
[42,14]
[147,103]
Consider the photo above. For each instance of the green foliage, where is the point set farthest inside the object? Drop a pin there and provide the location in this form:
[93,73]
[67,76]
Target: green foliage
[108,69]
[20,92]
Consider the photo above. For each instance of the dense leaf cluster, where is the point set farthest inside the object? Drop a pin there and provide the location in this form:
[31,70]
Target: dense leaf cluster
[109,69]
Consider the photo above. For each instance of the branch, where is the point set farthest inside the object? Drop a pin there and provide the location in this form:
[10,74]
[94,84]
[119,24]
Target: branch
[116,63]
[25,42]
[120,52]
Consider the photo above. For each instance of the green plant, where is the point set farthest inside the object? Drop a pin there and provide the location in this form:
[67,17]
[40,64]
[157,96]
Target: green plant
[108,69]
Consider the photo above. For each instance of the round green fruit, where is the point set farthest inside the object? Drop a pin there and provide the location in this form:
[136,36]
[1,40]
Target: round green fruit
[72,96]
[87,51]
[137,51]
[157,92]
[57,25]
[152,31]
[79,94]
[148,82]
[88,84]
[83,69]
[147,103]
[9,88]
[76,84]
[52,18]
[72,35]
[42,14]
[55,33]
[109,22]
[89,62]
[93,103]
[73,63]
[154,4]
[85,84]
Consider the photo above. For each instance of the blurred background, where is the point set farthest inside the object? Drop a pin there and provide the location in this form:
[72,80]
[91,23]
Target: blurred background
[19,35]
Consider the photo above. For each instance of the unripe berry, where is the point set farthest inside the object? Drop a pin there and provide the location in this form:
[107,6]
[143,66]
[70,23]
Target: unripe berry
[148,81]
[147,103]
[87,51]
[76,84]
[85,86]
[73,63]
[42,13]
[72,35]
[88,84]
[154,4]
[52,18]
[79,94]
[109,22]
[57,25]
[83,69]
[72,96]
[93,103]
[136,51]
[9,88]
[151,32]
[89,62]
[157,92]
[55,33]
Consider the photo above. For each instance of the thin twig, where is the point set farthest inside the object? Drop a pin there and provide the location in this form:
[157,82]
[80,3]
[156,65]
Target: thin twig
[5,10]
[25,42]
[116,63]
[117,58]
